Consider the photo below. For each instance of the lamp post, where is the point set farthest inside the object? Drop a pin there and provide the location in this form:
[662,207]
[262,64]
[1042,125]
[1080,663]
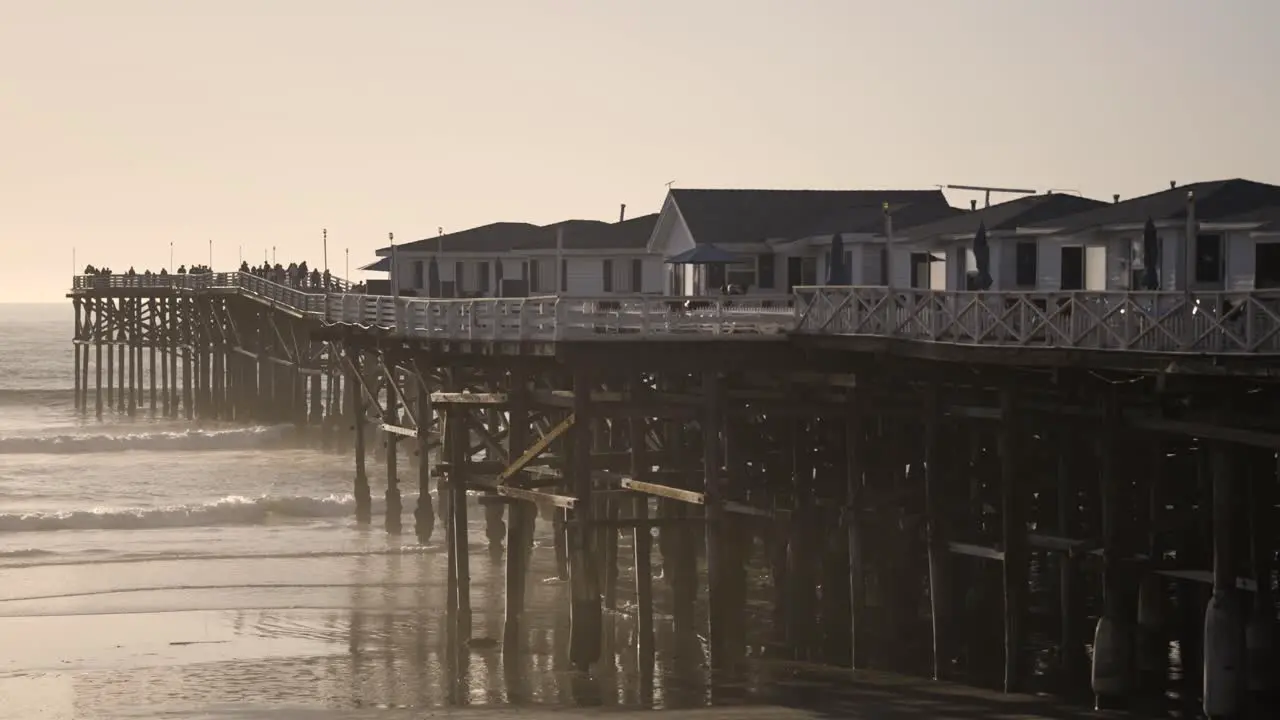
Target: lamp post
[395,281]
[273,254]
[346,275]
[170,256]
[210,254]
[324,234]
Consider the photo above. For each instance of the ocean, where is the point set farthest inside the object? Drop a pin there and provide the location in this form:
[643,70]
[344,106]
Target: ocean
[150,566]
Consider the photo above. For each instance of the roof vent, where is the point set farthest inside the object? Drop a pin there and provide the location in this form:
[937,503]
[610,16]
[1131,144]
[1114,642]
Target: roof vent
[1173,184]
[973,205]
[1115,198]
[622,213]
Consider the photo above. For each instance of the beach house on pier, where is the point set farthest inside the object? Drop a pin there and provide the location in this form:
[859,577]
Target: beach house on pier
[782,238]
[512,259]
[939,255]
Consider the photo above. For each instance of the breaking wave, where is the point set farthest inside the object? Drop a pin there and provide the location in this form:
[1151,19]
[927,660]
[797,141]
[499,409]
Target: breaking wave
[230,439]
[231,510]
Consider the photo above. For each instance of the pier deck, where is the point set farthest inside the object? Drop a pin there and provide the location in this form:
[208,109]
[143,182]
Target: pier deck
[899,460]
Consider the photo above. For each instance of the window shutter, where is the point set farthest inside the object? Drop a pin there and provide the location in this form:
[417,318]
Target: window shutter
[608,275]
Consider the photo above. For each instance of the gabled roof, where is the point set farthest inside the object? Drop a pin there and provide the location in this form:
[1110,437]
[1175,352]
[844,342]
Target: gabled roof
[1007,215]
[738,216]
[1215,200]
[379,265]
[515,236]
[494,237]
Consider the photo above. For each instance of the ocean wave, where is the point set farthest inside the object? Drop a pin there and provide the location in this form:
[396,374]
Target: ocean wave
[231,510]
[230,439]
[25,553]
[38,397]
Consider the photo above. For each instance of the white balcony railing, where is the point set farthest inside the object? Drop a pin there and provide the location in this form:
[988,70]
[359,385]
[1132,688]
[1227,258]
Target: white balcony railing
[1157,322]
[1223,323]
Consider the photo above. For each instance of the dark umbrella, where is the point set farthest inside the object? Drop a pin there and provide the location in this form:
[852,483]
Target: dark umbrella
[837,273]
[1150,256]
[982,257]
[702,255]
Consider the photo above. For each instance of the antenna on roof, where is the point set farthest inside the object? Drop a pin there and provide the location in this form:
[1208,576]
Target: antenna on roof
[1064,190]
[989,190]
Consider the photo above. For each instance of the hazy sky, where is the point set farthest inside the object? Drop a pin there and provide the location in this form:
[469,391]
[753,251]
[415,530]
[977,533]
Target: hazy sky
[128,124]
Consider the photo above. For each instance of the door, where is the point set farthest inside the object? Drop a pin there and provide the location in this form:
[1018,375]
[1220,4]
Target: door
[1072,268]
[795,272]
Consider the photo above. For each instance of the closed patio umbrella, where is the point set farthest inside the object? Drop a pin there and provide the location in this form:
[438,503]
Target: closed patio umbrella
[1150,256]
[982,257]
[837,273]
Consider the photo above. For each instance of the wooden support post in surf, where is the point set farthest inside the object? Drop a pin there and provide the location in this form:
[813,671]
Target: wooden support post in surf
[392,417]
[424,515]
[360,487]
[519,520]
[585,613]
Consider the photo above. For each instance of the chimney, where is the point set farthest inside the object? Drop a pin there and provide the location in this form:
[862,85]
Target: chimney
[622,213]
[1115,198]
[973,205]
[1173,184]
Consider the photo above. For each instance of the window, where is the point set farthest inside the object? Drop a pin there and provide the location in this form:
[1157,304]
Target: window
[607,266]
[741,273]
[766,271]
[1072,268]
[884,265]
[433,279]
[637,275]
[482,278]
[419,274]
[1025,264]
[1266,262]
[1139,264]
[459,278]
[1209,259]
[497,277]
[920,270]
[564,276]
[677,280]
[809,271]
[538,281]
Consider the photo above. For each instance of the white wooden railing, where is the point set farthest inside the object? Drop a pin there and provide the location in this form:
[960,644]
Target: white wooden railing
[567,318]
[1226,323]
[1158,322]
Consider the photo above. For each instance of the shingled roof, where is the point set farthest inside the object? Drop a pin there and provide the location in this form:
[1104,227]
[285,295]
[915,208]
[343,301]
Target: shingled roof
[737,216]
[1215,200]
[515,236]
[1008,215]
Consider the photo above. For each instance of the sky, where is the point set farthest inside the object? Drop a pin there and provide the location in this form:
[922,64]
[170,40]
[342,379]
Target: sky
[250,126]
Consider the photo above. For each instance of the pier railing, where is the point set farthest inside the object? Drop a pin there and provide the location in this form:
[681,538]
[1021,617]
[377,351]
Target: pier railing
[1232,323]
[1135,321]
[567,318]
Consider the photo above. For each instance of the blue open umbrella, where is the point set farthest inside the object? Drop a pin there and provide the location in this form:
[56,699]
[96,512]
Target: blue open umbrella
[982,257]
[1150,256]
[837,273]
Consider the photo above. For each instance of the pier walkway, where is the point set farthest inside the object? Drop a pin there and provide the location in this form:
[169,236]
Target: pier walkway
[1174,323]
[894,462]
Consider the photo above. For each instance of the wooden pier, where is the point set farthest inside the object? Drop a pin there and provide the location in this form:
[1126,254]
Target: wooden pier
[1021,490]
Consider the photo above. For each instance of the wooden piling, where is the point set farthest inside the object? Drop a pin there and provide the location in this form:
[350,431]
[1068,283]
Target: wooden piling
[939,592]
[360,487]
[459,452]
[854,469]
[392,417]
[1014,534]
[519,518]
[585,614]
[642,540]
[714,528]
[424,515]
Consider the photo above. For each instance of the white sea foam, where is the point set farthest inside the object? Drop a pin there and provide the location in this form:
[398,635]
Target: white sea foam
[172,441]
[231,510]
